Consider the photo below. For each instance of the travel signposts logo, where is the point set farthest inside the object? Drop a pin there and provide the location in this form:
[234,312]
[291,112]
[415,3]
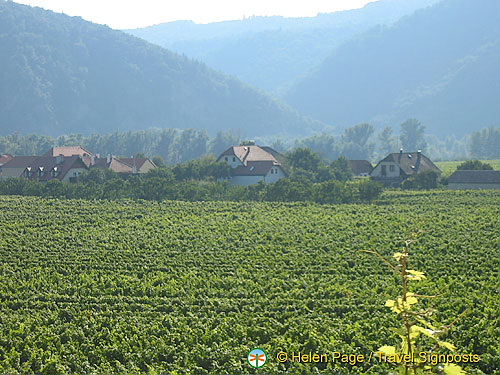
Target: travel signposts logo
[257,358]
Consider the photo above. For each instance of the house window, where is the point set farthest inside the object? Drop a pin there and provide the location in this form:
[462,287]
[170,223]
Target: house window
[272,171]
[234,159]
[384,170]
[392,168]
[226,158]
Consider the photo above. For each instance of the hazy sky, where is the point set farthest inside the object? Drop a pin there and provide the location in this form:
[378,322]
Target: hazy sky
[123,14]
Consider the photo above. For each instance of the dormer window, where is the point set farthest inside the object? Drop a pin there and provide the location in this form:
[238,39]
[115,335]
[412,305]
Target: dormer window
[54,172]
[28,172]
[41,171]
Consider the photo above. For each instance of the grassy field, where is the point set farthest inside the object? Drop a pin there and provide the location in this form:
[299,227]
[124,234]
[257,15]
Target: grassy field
[91,287]
[448,167]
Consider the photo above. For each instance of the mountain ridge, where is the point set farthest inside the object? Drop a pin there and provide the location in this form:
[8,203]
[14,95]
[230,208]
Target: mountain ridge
[272,52]
[425,66]
[62,74]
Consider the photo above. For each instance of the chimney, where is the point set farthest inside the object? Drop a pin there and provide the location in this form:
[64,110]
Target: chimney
[134,167]
[98,156]
[58,159]
[108,158]
[92,160]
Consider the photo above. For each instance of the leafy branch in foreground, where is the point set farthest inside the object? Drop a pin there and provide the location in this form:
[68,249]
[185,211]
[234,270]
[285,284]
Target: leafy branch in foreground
[416,329]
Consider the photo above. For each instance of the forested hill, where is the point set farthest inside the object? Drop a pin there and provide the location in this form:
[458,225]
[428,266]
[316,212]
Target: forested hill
[440,65]
[272,52]
[62,75]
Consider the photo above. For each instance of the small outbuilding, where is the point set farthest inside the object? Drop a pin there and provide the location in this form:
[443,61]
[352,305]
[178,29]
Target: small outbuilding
[464,179]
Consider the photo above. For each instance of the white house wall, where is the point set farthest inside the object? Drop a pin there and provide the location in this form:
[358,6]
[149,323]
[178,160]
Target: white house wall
[377,171]
[233,161]
[270,178]
[74,172]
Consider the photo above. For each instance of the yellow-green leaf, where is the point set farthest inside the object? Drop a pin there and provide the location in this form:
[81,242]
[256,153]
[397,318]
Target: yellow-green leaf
[387,349]
[411,300]
[390,303]
[415,275]
[447,345]
[453,369]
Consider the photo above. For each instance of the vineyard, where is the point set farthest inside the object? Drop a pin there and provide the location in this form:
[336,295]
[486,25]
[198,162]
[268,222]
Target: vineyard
[124,287]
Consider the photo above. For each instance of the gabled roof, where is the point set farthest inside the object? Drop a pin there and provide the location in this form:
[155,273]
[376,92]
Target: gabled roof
[360,166]
[4,158]
[254,168]
[114,164]
[19,162]
[68,151]
[475,177]
[48,163]
[139,162]
[249,153]
[411,162]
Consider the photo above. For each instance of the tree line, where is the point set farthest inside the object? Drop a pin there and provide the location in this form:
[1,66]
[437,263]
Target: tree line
[172,146]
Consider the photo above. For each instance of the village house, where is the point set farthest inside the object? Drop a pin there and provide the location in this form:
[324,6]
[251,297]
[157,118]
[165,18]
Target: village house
[361,168]
[463,179]
[138,165]
[69,151]
[16,166]
[45,168]
[123,165]
[67,163]
[251,164]
[396,167]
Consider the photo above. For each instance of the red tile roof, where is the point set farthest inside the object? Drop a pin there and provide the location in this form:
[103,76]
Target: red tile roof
[114,164]
[19,161]
[68,151]
[139,162]
[249,153]
[4,158]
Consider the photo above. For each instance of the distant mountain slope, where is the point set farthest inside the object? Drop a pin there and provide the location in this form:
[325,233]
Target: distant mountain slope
[440,65]
[62,74]
[272,52]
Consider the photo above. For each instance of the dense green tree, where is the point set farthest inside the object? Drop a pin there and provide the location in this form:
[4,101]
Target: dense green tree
[412,135]
[474,165]
[341,169]
[222,141]
[485,143]
[303,158]
[386,140]
[421,181]
[355,142]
